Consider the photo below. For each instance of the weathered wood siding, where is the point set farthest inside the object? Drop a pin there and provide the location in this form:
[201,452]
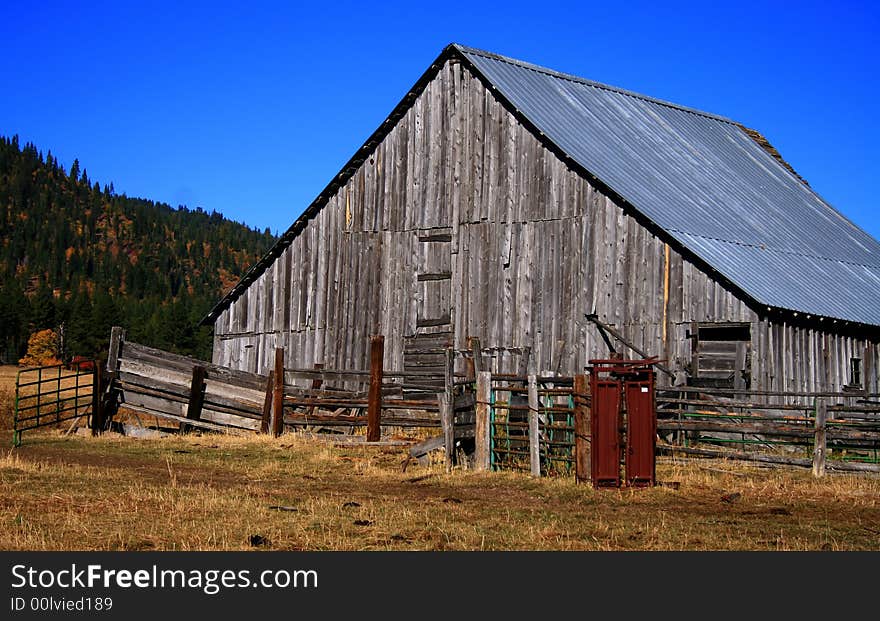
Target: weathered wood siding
[534,247]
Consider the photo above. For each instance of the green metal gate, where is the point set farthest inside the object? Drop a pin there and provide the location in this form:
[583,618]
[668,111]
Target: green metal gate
[509,427]
[54,394]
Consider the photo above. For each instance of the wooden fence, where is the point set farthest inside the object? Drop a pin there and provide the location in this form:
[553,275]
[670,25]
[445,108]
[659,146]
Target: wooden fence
[539,423]
[197,394]
[836,430]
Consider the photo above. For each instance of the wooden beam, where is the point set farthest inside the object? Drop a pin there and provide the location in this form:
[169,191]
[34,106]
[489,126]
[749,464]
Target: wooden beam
[603,326]
[180,419]
[278,393]
[430,322]
[117,336]
[849,466]
[819,445]
[374,400]
[482,430]
[267,403]
[534,439]
[426,446]
[196,397]
[583,473]
[184,364]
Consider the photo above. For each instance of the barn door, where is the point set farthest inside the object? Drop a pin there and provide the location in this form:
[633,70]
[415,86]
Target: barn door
[431,331]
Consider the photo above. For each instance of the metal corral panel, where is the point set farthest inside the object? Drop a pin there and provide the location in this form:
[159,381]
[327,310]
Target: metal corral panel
[708,184]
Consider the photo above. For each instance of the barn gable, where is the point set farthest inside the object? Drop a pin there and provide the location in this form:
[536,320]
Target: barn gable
[701,179]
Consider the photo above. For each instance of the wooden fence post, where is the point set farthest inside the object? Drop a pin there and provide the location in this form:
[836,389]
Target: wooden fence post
[534,440]
[583,473]
[374,403]
[267,403]
[447,407]
[482,436]
[97,401]
[448,425]
[819,444]
[278,393]
[196,398]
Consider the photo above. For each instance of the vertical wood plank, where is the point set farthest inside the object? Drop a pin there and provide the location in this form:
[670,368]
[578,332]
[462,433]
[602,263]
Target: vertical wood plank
[819,443]
[374,403]
[117,336]
[524,361]
[582,431]
[481,430]
[534,440]
[476,354]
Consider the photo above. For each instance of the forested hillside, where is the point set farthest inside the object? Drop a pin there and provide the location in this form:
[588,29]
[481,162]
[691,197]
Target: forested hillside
[77,257]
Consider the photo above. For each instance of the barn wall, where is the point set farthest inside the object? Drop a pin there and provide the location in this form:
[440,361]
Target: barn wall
[534,248]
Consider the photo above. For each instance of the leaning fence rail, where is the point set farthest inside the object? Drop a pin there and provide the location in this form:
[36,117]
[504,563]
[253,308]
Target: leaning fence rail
[197,394]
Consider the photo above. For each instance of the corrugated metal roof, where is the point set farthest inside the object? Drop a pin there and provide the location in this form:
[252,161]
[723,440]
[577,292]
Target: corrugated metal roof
[707,183]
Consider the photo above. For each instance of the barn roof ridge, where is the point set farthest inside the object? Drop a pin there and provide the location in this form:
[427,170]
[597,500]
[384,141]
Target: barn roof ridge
[587,82]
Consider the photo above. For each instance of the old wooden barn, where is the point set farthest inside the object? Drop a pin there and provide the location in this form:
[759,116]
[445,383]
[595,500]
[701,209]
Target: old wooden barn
[508,202]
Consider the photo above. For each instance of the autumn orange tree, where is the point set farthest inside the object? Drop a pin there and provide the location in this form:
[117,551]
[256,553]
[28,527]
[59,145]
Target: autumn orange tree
[43,349]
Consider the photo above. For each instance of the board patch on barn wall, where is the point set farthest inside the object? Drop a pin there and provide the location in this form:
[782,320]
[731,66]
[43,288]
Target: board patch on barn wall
[721,355]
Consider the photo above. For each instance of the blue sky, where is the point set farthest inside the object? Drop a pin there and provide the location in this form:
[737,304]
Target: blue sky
[251,108]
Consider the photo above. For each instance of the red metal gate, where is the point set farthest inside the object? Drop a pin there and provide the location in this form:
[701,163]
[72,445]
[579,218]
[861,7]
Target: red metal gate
[634,381]
[641,429]
[605,425]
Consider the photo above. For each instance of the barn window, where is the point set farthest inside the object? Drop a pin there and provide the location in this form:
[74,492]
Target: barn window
[721,355]
[855,372]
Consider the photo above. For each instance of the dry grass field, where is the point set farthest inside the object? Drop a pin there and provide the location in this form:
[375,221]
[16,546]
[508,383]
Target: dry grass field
[217,492]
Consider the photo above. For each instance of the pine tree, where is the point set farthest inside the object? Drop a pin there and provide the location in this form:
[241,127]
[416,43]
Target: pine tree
[43,309]
[74,171]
